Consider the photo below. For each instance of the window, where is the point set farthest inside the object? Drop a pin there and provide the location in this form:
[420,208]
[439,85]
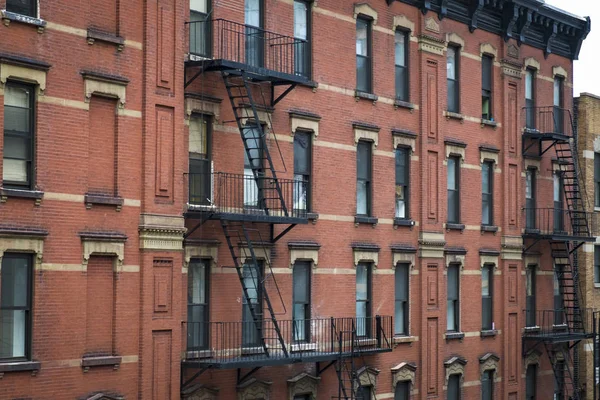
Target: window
[487,294]
[530,202]
[402,391]
[363,299]
[453,190]
[364,76]
[531,382]
[487,193]
[363,178]
[303,397]
[200,28]
[364,393]
[596,264]
[200,160]
[18,136]
[530,98]
[558,202]
[596,180]
[252,275]
[15,306]
[402,49]
[401,317]
[487,385]
[402,182]
[23,7]
[302,170]
[454,387]
[198,325]
[453,305]
[558,104]
[530,283]
[452,64]
[559,381]
[255,38]
[302,21]
[301,293]
[558,296]
[487,63]
[254,143]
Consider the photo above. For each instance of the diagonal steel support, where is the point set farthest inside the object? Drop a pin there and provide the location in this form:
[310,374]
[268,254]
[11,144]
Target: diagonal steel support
[186,384]
[275,100]
[241,378]
[282,234]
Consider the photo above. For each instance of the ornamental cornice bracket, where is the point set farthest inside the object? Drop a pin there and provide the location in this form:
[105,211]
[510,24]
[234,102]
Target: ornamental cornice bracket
[475,9]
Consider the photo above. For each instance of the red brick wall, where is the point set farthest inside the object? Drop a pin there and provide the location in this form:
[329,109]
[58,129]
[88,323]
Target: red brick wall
[100,305]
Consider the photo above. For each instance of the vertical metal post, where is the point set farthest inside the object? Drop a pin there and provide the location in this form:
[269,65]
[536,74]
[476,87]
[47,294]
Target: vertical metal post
[378,328]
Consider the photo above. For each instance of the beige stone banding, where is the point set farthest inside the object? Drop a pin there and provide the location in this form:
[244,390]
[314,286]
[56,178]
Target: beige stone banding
[367,376]
[511,69]
[559,71]
[402,22]
[202,106]
[431,245]
[304,123]
[303,384]
[455,39]
[403,258]
[207,251]
[403,372]
[23,74]
[486,48]
[456,151]
[365,9]
[531,62]
[363,255]
[512,248]
[253,389]
[368,135]
[161,232]
[102,247]
[23,244]
[302,254]
[432,45]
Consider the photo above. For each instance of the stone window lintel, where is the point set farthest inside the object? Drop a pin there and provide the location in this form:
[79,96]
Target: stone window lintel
[202,105]
[113,87]
[23,70]
[204,251]
[403,372]
[365,9]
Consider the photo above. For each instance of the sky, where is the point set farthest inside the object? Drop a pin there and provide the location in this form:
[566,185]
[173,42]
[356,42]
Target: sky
[586,75]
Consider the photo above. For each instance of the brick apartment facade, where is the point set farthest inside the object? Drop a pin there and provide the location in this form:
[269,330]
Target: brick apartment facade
[289,200]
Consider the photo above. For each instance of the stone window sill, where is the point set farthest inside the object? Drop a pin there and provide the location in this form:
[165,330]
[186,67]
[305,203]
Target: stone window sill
[363,219]
[403,222]
[489,228]
[453,115]
[404,339]
[490,123]
[404,104]
[19,366]
[596,285]
[8,16]
[302,347]
[451,226]
[94,35]
[98,199]
[36,195]
[100,361]
[489,333]
[198,354]
[455,335]
[366,96]
[532,329]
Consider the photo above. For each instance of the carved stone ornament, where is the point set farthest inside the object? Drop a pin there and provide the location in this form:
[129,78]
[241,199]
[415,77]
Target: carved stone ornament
[486,48]
[532,358]
[304,253]
[24,74]
[513,51]
[367,376]
[431,245]
[403,372]
[433,45]
[432,25]
[104,396]
[455,366]
[303,384]
[512,247]
[253,389]
[161,232]
[455,39]
[403,258]
[488,260]
[489,362]
[304,122]
[455,259]
[200,392]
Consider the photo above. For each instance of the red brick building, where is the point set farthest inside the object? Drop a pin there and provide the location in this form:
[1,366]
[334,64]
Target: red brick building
[289,200]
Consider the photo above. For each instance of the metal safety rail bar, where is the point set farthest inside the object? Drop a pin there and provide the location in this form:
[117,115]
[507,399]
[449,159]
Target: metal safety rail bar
[547,120]
[555,323]
[221,39]
[560,222]
[222,343]
[220,192]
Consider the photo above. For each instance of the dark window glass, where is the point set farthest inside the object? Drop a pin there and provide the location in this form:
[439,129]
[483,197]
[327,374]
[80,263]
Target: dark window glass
[454,387]
[530,202]
[559,381]
[401,317]
[530,98]
[200,161]
[596,179]
[453,305]
[487,193]
[18,136]
[302,21]
[531,382]
[487,295]
[252,275]
[198,306]
[364,76]
[23,7]
[402,49]
[402,182]
[301,293]
[558,202]
[453,190]
[364,393]
[363,299]
[302,170]
[15,306]
[530,283]
[596,264]
[487,385]
[559,112]
[363,178]
[402,391]
[252,187]
[452,72]
[487,64]
[200,28]
[558,296]
[255,36]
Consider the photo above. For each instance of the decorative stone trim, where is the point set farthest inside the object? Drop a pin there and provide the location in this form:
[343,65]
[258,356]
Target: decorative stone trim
[511,69]
[303,384]
[200,392]
[304,251]
[403,372]
[455,39]
[403,256]
[23,241]
[207,251]
[432,25]
[456,258]
[304,121]
[512,248]
[366,253]
[531,62]
[433,45]
[202,104]
[486,48]
[532,259]
[8,16]
[94,35]
[367,376]
[559,71]
[264,115]
[253,389]
[260,252]
[365,9]
[488,153]
[488,258]
[161,232]
[24,70]
[532,358]
[431,245]
[455,148]
[404,138]
[113,87]
[104,396]
[107,243]
[402,22]
[366,132]
[489,362]
[455,366]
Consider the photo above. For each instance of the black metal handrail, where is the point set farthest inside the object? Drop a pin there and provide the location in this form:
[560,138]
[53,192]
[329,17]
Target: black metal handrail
[559,322]
[222,192]
[246,44]
[230,342]
[559,222]
[547,120]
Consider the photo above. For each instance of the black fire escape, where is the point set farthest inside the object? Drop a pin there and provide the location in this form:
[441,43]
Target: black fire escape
[258,69]
[565,227]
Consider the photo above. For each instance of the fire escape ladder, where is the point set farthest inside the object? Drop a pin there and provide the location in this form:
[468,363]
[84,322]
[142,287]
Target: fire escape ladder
[345,367]
[253,281]
[568,286]
[254,137]
[560,356]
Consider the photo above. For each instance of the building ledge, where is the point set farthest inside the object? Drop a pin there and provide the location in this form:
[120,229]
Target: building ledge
[453,115]
[35,195]
[100,361]
[94,35]
[403,222]
[489,333]
[455,227]
[404,104]
[366,96]
[8,17]
[19,366]
[100,199]
[362,219]
[405,339]
[489,228]
[454,335]
[488,122]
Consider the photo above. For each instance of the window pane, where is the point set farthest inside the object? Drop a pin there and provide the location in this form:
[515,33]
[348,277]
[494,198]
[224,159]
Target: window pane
[486,82]
[454,387]
[362,281]
[402,391]
[486,210]
[363,160]
[302,153]
[597,264]
[452,96]
[252,10]
[363,393]
[300,20]
[400,47]
[301,282]
[451,63]
[17,119]
[453,282]
[12,333]
[23,7]
[529,184]
[14,171]
[14,288]
[363,81]
[402,83]
[254,143]
[197,283]
[198,136]
[17,96]
[557,188]
[529,84]
[452,174]
[199,5]
[557,92]
[485,281]
[362,41]
[17,147]
[401,281]
[361,198]
[485,177]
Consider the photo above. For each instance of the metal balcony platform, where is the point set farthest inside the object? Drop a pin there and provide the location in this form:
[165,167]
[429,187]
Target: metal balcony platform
[249,215]
[557,236]
[560,326]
